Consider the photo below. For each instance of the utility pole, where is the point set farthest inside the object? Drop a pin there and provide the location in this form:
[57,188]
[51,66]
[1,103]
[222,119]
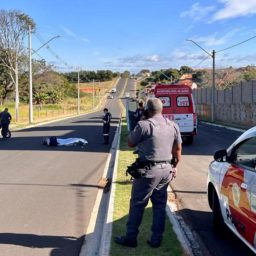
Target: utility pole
[212,55]
[78,92]
[213,87]
[30,71]
[17,100]
[30,78]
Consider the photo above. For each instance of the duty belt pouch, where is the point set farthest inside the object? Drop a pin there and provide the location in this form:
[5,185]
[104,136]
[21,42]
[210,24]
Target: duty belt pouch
[137,170]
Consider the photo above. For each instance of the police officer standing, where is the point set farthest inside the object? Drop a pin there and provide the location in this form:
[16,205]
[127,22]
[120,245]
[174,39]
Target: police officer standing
[158,142]
[139,112]
[106,125]
[6,118]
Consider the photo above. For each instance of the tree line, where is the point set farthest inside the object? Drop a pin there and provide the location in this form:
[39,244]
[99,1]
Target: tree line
[165,75]
[224,77]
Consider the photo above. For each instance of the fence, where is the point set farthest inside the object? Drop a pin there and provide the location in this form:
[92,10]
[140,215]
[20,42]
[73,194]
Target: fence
[236,105]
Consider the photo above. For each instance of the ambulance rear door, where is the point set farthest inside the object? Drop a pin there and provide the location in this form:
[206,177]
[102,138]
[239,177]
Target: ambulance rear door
[183,113]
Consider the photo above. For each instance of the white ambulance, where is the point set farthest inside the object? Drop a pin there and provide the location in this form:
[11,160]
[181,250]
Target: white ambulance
[178,106]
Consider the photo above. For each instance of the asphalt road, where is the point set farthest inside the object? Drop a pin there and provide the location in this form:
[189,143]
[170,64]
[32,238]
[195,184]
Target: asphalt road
[47,194]
[190,187]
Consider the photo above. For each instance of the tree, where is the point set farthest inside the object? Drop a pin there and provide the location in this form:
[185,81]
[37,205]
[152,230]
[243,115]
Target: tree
[13,29]
[250,75]
[199,77]
[6,83]
[186,70]
[228,77]
[126,74]
[173,73]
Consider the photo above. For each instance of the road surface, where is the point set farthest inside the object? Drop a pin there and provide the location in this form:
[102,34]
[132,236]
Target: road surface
[47,194]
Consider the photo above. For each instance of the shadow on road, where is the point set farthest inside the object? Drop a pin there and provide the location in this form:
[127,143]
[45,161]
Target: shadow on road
[62,245]
[216,243]
[210,139]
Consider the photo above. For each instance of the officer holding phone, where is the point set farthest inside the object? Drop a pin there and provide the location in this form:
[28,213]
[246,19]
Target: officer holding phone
[158,143]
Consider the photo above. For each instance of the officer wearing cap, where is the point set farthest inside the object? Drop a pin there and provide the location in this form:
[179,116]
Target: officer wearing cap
[106,125]
[158,141]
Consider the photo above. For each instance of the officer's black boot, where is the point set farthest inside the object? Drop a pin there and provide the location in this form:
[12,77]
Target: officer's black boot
[124,241]
[154,244]
[106,139]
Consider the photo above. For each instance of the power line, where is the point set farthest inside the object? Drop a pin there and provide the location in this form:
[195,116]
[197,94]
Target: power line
[201,62]
[54,54]
[236,44]
[199,46]
[38,54]
[60,59]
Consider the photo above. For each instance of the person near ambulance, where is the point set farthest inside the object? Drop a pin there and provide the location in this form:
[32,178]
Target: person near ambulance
[106,125]
[158,142]
[139,113]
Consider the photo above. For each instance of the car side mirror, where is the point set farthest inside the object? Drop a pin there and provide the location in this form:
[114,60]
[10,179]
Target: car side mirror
[220,155]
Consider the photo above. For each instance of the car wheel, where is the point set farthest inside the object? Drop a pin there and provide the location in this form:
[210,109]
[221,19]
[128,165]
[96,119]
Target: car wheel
[218,222]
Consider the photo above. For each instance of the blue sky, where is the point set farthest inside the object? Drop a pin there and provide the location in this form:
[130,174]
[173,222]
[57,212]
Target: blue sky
[138,34]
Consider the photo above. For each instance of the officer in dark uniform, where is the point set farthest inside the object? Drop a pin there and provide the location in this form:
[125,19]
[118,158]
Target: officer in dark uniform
[158,142]
[139,112]
[6,118]
[106,125]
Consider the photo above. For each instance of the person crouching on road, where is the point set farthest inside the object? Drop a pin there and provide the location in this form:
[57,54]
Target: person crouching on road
[6,118]
[106,125]
[158,142]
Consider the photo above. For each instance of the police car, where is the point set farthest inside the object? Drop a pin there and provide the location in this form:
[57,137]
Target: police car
[232,188]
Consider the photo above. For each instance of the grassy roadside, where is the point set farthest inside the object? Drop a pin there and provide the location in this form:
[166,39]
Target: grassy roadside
[170,245]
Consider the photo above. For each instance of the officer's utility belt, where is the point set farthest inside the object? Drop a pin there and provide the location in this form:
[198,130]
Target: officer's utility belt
[139,168]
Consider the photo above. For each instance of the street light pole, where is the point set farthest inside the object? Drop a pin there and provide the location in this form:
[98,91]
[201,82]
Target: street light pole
[78,92]
[17,100]
[30,70]
[212,55]
[213,69]
[30,78]
[46,43]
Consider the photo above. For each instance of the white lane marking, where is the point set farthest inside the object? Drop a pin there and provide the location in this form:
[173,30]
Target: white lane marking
[224,126]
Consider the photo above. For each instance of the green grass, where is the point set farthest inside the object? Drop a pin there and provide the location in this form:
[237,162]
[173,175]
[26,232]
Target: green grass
[170,245]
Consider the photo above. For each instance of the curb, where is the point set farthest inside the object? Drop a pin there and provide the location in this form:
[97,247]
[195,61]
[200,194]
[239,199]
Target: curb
[171,208]
[107,229]
[92,245]
[100,223]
